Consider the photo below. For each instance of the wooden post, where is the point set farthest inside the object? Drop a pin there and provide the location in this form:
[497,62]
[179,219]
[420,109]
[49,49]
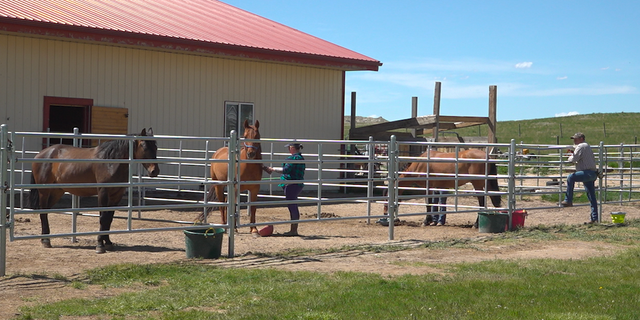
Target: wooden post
[561,136]
[414,114]
[436,109]
[353,110]
[493,103]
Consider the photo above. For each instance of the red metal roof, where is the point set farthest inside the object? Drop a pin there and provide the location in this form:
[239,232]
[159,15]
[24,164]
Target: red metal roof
[206,26]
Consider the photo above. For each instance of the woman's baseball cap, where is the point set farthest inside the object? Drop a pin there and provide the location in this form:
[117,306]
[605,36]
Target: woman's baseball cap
[295,145]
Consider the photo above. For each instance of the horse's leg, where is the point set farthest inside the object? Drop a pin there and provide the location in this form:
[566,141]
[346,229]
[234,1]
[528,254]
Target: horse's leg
[104,243]
[428,219]
[252,217]
[107,197]
[46,199]
[478,185]
[44,221]
[219,189]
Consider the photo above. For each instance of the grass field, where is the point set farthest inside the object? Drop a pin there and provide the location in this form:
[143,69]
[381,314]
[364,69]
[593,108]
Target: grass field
[595,288]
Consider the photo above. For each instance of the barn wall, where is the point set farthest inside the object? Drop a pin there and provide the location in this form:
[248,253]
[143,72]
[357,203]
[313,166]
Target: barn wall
[176,94]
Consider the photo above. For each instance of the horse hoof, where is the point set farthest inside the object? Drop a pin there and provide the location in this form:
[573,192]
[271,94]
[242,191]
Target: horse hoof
[100,249]
[255,234]
[46,243]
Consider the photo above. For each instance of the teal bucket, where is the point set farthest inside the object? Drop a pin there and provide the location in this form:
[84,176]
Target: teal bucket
[492,222]
[204,243]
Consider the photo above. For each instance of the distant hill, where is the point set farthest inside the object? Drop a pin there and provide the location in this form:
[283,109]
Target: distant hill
[610,128]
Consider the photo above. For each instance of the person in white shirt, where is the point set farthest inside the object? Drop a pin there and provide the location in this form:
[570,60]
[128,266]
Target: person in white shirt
[582,157]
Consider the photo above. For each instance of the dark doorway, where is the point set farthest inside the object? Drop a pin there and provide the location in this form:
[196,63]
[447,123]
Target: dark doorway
[64,119]
[64,114]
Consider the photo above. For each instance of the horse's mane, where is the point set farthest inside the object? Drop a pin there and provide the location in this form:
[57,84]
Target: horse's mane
[119,149]
[114,149]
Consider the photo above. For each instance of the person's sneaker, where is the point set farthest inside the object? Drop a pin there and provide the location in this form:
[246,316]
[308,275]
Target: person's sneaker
[590,222]
[383,222]
[432,223]
[440,224]
[566,203]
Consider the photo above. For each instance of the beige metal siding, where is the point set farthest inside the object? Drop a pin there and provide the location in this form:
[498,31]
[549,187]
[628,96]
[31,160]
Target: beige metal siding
[175,93]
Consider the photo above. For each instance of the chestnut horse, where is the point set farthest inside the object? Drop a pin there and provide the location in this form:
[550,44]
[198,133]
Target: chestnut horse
[88,172]
[448,169]
[248,171]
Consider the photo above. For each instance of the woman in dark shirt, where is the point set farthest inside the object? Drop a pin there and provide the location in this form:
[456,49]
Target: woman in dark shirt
[292,171]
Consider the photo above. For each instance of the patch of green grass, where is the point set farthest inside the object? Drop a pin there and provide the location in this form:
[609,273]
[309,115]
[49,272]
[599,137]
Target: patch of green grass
[595,288]
[78,285]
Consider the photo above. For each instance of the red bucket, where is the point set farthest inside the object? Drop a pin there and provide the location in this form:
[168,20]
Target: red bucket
[517,219]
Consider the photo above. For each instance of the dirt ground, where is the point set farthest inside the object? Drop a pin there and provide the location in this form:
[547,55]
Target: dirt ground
[50,270]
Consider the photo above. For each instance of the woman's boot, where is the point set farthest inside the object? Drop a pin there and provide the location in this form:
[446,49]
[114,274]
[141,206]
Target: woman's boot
[294,230]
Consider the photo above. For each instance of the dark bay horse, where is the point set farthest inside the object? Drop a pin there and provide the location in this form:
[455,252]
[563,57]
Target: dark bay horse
[248,171]
[89,172]
[440,170]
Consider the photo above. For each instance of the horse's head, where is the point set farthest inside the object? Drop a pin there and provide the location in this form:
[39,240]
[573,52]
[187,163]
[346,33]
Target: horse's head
[253,149]
[147,149]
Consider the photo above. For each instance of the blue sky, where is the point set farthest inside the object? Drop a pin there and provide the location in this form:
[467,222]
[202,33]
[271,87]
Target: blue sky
[548,58]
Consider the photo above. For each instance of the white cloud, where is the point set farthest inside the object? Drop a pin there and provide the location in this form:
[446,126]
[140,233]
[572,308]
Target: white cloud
[562,78]
[605,68]
[524,65]
[570,113]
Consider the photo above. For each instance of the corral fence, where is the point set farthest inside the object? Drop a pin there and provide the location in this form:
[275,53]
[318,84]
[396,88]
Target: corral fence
[370,178]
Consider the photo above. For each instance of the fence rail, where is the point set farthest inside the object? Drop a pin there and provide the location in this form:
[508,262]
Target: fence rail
[333,175]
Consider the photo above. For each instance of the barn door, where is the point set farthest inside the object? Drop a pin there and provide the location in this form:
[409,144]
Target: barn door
[109,120]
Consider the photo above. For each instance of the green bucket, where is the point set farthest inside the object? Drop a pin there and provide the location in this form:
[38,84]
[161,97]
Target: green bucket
[492,222]
[204,243]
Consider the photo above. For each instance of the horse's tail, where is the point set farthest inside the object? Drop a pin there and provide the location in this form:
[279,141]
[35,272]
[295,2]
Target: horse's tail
[492,185]
[211,197]
[34,195]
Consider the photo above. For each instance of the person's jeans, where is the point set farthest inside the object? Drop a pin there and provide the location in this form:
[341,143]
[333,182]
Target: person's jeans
[291,192]
[587,177]
[442,201]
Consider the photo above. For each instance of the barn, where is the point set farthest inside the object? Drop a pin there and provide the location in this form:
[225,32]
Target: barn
[183,67]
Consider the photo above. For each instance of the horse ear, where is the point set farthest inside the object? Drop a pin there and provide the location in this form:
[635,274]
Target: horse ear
[144,132]
[246,123]
[256,124]
[150,131]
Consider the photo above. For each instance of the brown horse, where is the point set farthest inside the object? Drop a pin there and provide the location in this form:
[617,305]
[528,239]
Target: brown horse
[448,169]
[248,171]
[89,172]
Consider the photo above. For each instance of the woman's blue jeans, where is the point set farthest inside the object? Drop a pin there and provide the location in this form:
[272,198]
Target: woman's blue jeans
[587,177]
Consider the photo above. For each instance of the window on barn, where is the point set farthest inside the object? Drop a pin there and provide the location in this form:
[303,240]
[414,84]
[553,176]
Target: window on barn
[234,115]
